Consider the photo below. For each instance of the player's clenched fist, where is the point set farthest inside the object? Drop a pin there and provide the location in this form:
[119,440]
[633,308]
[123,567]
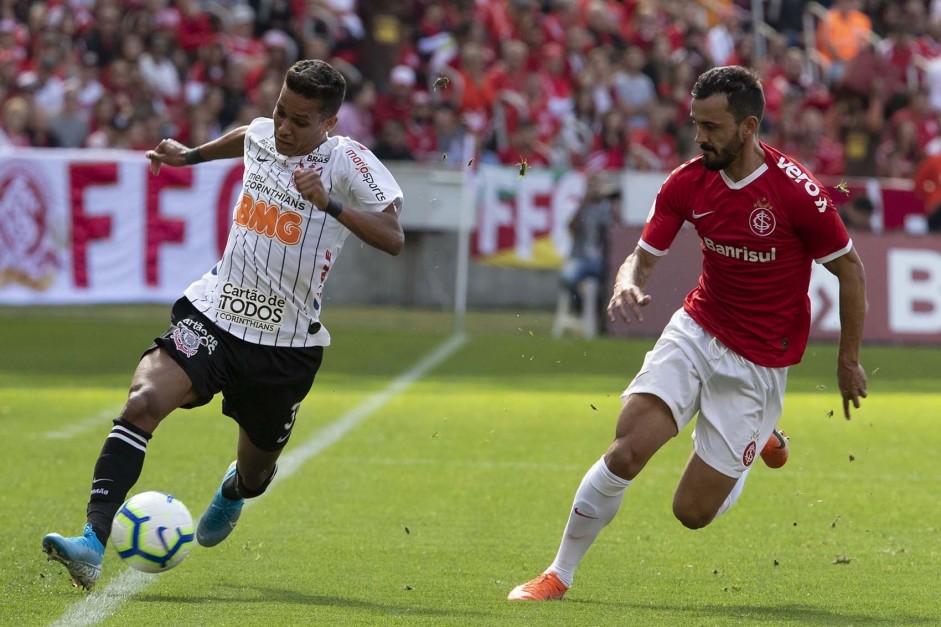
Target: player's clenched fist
[311,188]
[168,151]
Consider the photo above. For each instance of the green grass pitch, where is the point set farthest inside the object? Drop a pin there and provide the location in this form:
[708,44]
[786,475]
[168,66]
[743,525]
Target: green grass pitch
[457,488]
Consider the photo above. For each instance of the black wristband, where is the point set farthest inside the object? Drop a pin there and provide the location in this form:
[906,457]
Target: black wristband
[333,208]
[192,156]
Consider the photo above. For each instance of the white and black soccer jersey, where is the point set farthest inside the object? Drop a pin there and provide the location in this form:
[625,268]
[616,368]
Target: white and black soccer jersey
[268,286]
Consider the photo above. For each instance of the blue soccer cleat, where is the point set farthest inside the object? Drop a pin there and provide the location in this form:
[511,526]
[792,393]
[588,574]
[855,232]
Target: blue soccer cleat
[219,519]
[81,555]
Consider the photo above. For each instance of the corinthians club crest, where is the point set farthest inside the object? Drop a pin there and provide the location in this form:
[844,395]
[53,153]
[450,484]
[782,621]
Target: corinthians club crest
[28,251]
[761,220]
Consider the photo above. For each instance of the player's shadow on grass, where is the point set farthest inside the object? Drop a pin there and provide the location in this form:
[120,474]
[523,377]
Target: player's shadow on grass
[786,614]
[257,594]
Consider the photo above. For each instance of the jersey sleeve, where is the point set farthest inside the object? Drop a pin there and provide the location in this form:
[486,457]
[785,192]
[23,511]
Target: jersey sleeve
[818,223]
[665,218]
[364,182]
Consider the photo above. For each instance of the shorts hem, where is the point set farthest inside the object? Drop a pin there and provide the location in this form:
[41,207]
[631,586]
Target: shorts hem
[163,343]
[720,468]
[659,393]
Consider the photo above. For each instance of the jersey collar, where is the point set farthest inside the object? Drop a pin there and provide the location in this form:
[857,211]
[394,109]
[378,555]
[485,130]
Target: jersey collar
[745,181]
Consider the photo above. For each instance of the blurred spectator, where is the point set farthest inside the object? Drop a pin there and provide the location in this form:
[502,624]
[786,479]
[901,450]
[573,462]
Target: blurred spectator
[610,149]
[420,130]
[928,187]
[472,92]
[525,147]
[654,148]
[193,27]
[158,69]
[69,127]
[635,92]
[244,47]
[355,118]
[598,211]
[857,214]
[13,123]
[722,39]
[392,144]
[103,39]
[396,102]
[577,129]
[841,34]
[860,125]
[450,134]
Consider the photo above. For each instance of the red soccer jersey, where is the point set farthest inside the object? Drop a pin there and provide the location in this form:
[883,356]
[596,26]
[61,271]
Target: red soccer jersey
[759,236]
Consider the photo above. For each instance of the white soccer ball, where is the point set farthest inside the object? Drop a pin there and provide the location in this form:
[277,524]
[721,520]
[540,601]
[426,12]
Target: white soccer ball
[152,532]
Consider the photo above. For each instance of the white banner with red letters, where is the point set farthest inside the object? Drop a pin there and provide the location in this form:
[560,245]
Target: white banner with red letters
[95,226]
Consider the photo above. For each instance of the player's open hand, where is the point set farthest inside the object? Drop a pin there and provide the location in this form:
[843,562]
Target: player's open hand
[168,151]
[310,187]
[627,301]
[852,382]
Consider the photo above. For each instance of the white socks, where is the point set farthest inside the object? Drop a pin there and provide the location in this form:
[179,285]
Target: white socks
[734,494]
[596,502]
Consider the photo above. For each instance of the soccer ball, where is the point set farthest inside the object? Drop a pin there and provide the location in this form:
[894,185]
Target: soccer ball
[152,532]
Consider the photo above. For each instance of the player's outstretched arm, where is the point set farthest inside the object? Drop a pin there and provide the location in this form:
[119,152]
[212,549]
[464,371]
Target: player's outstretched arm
[629,286]
[850,375]
[172,152]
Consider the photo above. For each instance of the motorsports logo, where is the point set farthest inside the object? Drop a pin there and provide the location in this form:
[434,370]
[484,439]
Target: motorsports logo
[368,178]
[28,251]
[250,307]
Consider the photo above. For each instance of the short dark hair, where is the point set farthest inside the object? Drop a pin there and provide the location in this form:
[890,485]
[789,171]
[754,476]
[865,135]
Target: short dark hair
[740,85]
[317,80]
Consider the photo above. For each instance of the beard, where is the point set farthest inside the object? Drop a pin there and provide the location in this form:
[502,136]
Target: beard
[720,159]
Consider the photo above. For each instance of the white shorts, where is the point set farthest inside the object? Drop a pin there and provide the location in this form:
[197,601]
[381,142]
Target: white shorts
[739,402]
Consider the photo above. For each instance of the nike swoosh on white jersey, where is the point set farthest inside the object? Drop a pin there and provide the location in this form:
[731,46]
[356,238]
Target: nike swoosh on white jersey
[699,215]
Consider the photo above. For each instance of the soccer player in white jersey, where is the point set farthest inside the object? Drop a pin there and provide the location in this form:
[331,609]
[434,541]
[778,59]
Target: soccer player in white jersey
[249,327]
[763,219]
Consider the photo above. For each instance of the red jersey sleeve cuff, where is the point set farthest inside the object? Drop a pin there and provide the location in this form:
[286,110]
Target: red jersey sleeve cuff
[655,251]
[835,254]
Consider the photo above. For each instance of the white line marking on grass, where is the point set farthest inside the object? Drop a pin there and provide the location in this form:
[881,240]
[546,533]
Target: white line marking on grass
[104,602]
[457,463]
[84,424]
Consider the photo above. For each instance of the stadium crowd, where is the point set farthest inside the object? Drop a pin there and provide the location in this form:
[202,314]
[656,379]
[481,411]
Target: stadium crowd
[576,83]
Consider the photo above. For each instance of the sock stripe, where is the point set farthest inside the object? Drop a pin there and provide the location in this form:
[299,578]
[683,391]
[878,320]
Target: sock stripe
[125,431]
[134,443]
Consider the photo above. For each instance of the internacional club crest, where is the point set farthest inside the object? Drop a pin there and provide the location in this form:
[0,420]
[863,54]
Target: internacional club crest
[28,252]
[761,220]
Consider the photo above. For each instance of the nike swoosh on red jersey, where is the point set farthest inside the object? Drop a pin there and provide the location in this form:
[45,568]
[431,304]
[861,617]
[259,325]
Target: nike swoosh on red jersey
[578,513]
[699,215]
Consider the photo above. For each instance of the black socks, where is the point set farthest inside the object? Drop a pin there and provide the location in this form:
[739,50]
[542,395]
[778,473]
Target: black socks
[117,470]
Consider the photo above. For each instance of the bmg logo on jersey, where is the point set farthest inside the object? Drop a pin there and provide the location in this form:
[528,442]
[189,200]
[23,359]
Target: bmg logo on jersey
[250,307]
[268,220]
[189,335]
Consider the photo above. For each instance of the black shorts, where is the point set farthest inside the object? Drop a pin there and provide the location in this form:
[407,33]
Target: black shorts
[262,386]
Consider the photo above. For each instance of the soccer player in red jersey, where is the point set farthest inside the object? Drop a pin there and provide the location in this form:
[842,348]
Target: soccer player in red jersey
[762,220]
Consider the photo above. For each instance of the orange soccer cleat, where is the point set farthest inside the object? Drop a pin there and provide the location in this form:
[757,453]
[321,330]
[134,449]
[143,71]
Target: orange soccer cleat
[774,454]
[545,587]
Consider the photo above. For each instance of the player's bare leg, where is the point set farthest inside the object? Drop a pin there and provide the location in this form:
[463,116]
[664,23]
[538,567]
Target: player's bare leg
[158,387]
[703,493]
[247,477]
[645,424]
